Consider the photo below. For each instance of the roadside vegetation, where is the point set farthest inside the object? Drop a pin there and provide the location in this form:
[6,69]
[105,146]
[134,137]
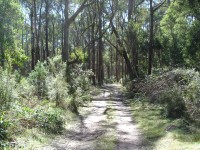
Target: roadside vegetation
[41,103]
[52,51]
[166,106]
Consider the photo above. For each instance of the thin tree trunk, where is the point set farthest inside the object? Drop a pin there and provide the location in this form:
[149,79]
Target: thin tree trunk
[117,66]
[150,52]
[32,40]
[100,48]
[65,51]
[47,28]
[132,36]
[93,54]
[54,52]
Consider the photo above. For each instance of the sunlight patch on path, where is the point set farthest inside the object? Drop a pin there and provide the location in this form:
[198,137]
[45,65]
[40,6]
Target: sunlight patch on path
[95,128]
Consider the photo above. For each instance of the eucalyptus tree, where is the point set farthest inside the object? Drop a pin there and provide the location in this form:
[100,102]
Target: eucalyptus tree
[152,8]
[180,34]
[11,21]
[68,21]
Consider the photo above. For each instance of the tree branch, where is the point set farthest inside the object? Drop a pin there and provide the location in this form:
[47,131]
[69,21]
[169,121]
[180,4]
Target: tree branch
[138,4]
[158,6]
[113,46]
[83,5]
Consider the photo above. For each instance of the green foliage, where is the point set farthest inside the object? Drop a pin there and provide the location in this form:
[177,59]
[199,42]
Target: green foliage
[4,124]
[157,128]
[26,89]
[78,54]
[176,90]
[10,25]
[7,85]
[44,116]
[79,87]
[56,66]
[81,81]
[38,76]
[50,120]
[193,46]
[192,97]
[15,57]
[57,88]
[179,34]
[173,102]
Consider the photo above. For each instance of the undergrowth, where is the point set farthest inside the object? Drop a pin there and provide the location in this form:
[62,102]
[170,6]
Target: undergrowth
[163,133]
[39,101]
[166,106]
[177,90]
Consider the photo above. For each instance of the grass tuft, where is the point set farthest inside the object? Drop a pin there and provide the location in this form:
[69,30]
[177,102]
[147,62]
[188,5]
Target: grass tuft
[163,133]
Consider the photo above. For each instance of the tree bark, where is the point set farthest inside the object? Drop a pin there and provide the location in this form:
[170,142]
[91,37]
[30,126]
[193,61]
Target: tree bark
[100,48]
[47,27]
[32,39]
[150,52]
[65,51]
[67,22]
[132,39]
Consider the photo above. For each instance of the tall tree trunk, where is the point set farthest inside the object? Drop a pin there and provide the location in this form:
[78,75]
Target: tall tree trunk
[111,62]
[2,54]
[37,51]
[132,44]
[65,51]
[53,44]
[100,48]
[150,52]
[117,66]
[32,39]
[93,54]
[47,27]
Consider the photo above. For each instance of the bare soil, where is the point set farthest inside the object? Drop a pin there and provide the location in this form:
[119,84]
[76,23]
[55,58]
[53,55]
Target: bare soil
[106,113]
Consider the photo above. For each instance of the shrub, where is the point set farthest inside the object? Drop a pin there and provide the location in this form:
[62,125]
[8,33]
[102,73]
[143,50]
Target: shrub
[81,79]
[26,89]
[7,93]
[192,97]
[57,88]
[56,66]
[4,124]
[79,86]
[50,121]
[173,102]
[178,90]
[37,78]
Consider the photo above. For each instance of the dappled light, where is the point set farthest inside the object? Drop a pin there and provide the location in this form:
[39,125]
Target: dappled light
[99,74]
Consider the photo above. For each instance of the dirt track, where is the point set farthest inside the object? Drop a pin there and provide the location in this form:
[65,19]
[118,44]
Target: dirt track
[105,116]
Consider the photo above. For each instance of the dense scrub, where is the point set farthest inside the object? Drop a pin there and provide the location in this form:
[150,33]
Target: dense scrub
[39,100]
[178,90]
[170,98]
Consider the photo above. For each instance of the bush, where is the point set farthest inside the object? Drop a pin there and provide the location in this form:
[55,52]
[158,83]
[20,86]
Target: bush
[7,93]
[173,102]
[49,121]
[26,89]
[56,66]
[57,88]
[37,78]
[81,79]
[178,90]
[192,98]
[4,124]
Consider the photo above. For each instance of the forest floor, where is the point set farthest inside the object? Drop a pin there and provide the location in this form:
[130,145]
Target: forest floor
[104,124]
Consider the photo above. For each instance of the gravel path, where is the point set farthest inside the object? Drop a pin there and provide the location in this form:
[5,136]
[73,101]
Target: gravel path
[94,123]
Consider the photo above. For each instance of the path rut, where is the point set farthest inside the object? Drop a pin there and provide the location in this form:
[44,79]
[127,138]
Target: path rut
[94,123]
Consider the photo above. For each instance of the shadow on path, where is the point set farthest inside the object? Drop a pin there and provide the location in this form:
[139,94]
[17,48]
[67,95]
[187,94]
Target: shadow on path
[84,134]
